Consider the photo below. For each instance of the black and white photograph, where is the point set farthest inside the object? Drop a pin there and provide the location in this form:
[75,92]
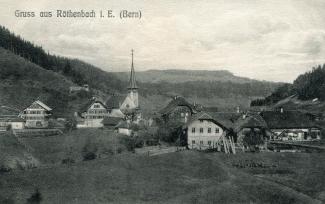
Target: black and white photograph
[162,102]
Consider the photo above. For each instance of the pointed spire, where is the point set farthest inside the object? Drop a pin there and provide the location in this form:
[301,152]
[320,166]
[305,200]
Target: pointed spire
[132,82]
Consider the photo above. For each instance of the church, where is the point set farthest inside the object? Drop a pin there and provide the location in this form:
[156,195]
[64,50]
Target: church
[115,110]
[126,108]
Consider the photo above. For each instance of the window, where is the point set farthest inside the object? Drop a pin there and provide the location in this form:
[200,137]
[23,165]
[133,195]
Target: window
[193,130]
[201,121]
[201,142]
[201,130]
[209,130]
[209,143]
[217,130]
[193,141]
[96,106]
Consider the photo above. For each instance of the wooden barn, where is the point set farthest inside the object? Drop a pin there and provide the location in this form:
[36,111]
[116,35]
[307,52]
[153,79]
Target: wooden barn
[291,125]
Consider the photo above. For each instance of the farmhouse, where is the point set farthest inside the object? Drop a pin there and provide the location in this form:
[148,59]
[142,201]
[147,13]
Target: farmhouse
[206,130]
[251,128]
[177,110]
[73,89]
[12,122]
[290,125]
[36,115]
[92,114]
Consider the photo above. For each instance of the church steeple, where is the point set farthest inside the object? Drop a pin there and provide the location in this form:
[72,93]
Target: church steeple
[132,82]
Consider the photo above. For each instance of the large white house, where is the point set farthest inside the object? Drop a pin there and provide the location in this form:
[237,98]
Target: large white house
[206,130]
[92,114]
[36,115]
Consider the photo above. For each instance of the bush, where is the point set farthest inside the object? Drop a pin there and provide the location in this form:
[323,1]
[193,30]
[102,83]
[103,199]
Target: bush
[128,142]
[68,161]
[35,198]
[89,151]
[89,156]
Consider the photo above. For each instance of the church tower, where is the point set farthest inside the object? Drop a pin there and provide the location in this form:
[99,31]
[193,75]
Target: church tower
[133,88]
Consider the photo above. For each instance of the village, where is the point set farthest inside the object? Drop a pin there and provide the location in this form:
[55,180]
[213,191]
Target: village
[187,125]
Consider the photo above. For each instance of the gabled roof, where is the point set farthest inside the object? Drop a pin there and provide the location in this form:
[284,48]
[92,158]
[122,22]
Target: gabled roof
[114,102]
[287,119]
[89,104]
[43,105]
[111,121]
[40,103]
[175,102]
[224,119]
[251,120]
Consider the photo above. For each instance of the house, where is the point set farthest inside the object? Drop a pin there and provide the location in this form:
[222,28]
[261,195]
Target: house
[208,130]
[36,115]
[251,131]
[291,125]
[12,122]
[177,110]
[92,114]
[73,89]
[124,127]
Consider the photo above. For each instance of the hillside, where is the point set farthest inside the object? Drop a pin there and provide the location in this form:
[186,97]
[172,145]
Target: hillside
[22,82]
[73,69]
[307,86]
[29,73]
[180,76]
[180,177]
[294,103]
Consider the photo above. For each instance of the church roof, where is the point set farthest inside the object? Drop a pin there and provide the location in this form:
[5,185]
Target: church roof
[132,82]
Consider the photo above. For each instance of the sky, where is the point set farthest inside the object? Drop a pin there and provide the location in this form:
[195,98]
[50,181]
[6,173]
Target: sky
[274,40]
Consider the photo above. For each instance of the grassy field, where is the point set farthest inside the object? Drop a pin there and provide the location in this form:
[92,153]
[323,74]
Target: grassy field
[181,177]
[54,149]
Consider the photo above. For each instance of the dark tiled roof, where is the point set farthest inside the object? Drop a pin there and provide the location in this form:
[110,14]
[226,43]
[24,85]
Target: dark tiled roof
[88,104]
[114,101]
[210,109]
[287,119]
[111,121]
[225,119]
[251,120]
[178,101]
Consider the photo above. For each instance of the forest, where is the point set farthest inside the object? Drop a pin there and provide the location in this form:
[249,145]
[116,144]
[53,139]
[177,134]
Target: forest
[307,86]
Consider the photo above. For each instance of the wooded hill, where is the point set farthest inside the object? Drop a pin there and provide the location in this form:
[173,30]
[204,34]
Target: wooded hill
[307,86]
[29,73]
[77,71]
[180,76]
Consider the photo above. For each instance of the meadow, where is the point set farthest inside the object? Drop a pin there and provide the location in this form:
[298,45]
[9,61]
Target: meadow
[180,177]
